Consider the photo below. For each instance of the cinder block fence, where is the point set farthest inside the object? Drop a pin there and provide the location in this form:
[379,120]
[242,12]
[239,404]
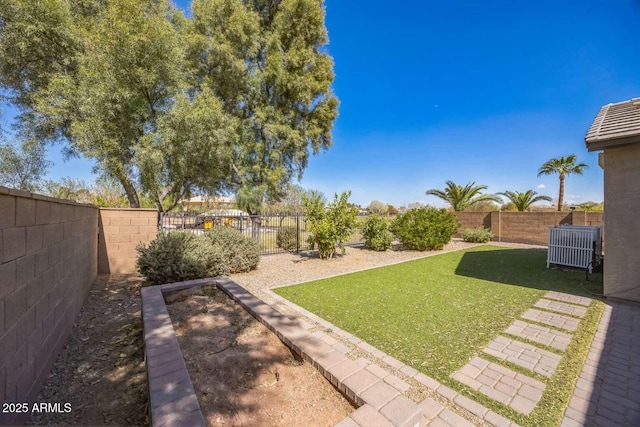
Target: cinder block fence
[525,227]
[51,251]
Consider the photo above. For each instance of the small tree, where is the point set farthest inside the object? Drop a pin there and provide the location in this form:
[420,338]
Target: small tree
[330,225]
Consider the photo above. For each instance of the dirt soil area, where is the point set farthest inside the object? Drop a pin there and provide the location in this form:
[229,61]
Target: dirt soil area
[101,369]
[242,373]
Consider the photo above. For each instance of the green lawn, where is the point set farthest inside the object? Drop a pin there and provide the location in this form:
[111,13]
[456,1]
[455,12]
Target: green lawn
[436,313]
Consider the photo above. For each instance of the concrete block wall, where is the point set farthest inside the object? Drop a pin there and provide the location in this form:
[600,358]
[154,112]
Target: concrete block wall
[121,230]
[48,262]
[525,227]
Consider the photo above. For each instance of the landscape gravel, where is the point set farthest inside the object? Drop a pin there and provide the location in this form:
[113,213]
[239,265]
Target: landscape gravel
[288,269]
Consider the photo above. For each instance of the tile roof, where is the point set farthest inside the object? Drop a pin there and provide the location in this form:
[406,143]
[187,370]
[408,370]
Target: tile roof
[615,125]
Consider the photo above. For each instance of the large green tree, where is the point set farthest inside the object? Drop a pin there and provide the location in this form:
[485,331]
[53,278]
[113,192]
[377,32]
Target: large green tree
[236,97]
[461,198]
[563,166]
[266,59]
[111,80]
[523,200]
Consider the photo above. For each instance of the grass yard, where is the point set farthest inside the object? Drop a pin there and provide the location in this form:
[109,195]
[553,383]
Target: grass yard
[436,313]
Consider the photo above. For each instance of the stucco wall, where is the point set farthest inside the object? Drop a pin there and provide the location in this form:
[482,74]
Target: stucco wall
[121,230]
[622,199]
[48,262]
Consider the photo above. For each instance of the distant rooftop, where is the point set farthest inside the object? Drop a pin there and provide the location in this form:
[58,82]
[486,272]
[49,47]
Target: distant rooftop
[615,125]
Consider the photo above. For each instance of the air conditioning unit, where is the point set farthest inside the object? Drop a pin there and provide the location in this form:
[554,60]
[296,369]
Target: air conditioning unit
[575,246]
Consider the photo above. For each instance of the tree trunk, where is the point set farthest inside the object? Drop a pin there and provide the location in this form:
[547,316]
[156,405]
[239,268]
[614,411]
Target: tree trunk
[132,194]
[561,194]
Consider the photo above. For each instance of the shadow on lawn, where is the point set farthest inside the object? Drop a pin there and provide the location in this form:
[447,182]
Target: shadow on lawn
[528,268]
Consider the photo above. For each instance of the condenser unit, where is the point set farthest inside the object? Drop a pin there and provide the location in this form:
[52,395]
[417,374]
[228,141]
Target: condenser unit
[575,246]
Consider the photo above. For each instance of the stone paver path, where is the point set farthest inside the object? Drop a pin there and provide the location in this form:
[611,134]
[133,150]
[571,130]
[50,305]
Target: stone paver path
[561,307]
[557,320]
[518,391]
[573,299]
[526,355]
[539,334]
[607,392]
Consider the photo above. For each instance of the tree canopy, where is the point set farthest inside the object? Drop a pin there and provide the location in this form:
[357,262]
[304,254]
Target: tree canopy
[234,98]
[523,200]
[563,166]
[23,167]
[461,198]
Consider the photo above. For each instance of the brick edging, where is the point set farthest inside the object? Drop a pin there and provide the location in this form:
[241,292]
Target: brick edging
[172,398]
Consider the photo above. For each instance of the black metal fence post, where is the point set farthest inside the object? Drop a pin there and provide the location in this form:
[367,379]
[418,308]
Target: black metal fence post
[297,233]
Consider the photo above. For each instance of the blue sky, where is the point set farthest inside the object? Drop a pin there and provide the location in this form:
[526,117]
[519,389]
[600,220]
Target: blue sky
[467,91]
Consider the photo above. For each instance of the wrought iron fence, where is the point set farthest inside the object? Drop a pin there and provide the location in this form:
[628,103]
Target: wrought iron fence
[262,228]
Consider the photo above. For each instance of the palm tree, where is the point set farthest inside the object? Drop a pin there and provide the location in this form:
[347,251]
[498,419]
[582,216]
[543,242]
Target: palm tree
[522,201]
[460,197]
[563,167]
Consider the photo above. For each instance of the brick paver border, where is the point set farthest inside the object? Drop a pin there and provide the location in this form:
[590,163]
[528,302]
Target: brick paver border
[172,398]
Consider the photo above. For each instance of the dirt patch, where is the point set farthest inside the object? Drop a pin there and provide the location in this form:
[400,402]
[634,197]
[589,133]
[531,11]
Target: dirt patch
[242,373]
[101,369]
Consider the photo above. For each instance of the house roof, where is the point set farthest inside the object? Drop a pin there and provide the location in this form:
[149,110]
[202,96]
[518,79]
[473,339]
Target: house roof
[615,125]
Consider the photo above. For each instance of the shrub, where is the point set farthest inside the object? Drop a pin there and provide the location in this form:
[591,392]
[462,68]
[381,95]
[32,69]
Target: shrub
[376,233]
[176,256]
[425,228]
[477,235]
[329,225]
[241,253]
[287,238]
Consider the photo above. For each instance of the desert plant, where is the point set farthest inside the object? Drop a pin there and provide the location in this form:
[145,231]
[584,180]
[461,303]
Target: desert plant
[176,256]
[375,231]
[460,198]
[522,201]
[425,228]
[330,225]
[241,252]
[563,166]
[288,238]
[477,235]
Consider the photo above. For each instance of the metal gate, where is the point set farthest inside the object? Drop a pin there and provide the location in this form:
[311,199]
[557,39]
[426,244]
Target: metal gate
[573,246]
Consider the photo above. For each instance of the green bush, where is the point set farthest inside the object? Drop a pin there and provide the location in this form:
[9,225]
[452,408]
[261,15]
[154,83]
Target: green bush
[177,255]
[287,238]
[330,225]
[241,252]
[477,235]
[376,234]
[425,228]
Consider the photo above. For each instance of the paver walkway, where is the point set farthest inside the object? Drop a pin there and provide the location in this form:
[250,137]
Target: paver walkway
[607,392]
[526,355]
[518,391]
[539,334]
